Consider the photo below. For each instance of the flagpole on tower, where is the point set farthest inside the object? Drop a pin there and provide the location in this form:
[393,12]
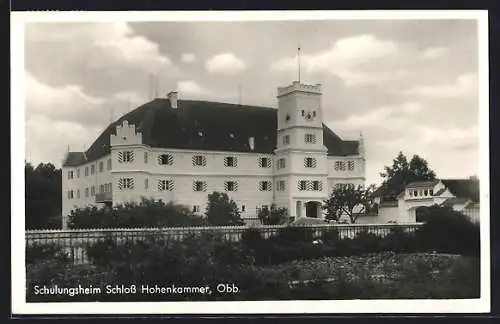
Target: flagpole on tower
[298,59]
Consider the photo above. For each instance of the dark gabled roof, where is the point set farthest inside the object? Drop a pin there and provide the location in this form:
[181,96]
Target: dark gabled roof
[74,158]
[463,188]
[439,192]
[455,201]
[204,125]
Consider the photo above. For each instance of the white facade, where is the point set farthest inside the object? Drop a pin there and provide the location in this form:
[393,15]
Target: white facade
[298,176]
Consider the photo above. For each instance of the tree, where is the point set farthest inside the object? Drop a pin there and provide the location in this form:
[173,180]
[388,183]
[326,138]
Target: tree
[402,172]
[222,211]
[43,192]
[273,215]
[348,200]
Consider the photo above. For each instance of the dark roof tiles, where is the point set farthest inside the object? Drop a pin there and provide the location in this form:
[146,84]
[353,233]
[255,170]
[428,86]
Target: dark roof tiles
[203,125]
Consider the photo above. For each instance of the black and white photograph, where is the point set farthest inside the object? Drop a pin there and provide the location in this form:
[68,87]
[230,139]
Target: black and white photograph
[250,162]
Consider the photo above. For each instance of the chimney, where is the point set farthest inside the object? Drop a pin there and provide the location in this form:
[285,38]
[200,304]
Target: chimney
[251,142]
[172,97]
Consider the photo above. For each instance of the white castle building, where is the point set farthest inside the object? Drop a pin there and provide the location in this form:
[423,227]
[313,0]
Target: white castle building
[182,150]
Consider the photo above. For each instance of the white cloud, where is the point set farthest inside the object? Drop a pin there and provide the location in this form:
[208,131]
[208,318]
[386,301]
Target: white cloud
[63,103]
[434,52]
[188,57]
[388,117]
[99,45]
[465,86]
[47,140]
[447,136]
[225,63]
[344,58]
[191,87]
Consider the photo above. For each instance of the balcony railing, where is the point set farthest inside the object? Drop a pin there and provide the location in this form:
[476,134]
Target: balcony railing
[103,197]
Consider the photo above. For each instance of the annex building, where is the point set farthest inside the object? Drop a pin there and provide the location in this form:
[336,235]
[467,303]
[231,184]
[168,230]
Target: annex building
[182,150]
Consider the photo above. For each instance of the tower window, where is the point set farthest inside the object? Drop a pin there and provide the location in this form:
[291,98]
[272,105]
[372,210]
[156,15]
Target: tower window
[317,185]
[310,138]
[286,139]
[125,156]
[302,185]
[281,163]
[145,157]
[310,162]
[280,185]
[125,183]
[350,165]
[303,112]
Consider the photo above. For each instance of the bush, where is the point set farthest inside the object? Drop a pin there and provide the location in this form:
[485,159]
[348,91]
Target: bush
[147,213]
[448,231]
[293,234]
[273,216]
[41,252]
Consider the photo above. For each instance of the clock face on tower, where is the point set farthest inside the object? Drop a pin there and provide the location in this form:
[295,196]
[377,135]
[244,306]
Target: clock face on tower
[309,115]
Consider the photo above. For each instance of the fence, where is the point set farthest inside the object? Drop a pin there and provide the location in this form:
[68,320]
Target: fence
[75,241]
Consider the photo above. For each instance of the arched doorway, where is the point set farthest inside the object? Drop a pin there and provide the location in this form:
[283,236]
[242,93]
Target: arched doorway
[312,209]
[422,214]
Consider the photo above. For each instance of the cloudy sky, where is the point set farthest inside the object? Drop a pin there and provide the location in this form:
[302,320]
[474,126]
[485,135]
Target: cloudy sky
[407,85]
